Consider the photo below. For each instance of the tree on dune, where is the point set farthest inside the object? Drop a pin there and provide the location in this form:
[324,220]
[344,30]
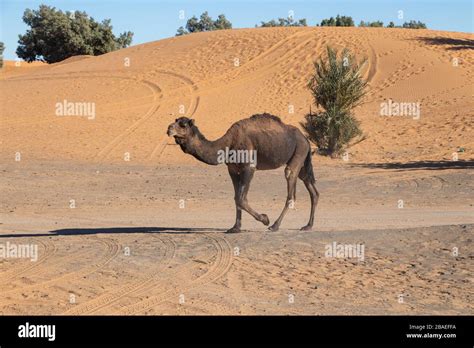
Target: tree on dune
[284,22]
[204,23]
[376,24]
[2,48]
[339,21]
[55,35]
[414,25]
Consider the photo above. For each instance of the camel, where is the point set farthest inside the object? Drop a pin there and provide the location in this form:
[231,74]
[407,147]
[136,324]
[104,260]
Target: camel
[275,144]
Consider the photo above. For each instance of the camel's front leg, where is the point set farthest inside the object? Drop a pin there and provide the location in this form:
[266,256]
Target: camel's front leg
[245,176]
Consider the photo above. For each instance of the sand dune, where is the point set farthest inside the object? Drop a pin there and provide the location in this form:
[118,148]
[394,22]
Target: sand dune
[221,77]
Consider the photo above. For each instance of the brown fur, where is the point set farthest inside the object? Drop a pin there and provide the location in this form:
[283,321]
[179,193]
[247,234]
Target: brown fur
[276,143]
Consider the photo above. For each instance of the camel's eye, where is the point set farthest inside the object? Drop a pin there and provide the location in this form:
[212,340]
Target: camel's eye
[181,124]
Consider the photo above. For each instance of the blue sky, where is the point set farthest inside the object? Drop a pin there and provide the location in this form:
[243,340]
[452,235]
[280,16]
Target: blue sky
[152,20]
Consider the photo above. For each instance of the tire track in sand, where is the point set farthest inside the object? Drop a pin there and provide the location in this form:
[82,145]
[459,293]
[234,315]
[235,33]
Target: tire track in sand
[111,251]
[108,148]
[193,106]
[221,265]
[49,251]
[157,95]
[114,295]
[81,75]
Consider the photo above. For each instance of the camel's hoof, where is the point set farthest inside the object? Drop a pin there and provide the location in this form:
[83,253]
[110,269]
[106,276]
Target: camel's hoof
[273,228]
[265,220]
[233,230]
[306,228]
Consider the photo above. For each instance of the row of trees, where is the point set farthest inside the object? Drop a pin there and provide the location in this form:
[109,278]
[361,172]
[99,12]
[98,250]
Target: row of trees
[375,24]
[283,22]
[346,21]
[339,21]
[206,23]
[409,25]
[413,25]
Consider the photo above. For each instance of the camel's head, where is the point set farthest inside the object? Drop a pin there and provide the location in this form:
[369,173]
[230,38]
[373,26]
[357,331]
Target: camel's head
[181,129]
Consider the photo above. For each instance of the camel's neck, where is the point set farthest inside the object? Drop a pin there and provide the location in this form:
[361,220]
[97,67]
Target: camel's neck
[204,150]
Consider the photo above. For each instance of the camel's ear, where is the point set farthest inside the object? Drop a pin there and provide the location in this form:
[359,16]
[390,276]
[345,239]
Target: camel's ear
[191,122]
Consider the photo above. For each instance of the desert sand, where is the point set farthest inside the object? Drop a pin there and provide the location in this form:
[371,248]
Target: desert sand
[145,235]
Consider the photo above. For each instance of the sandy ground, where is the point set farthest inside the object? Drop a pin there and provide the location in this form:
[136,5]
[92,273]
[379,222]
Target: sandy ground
[145,235]
[130,246]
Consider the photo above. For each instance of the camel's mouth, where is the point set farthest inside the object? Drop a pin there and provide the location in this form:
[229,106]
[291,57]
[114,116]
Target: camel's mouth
[171,132]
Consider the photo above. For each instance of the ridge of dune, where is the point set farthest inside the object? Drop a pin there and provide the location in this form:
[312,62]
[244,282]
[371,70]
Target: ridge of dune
[223,76]
[15,68]
[73,59]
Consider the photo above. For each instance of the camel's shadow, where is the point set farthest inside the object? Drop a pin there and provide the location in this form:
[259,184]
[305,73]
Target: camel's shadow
[114,230]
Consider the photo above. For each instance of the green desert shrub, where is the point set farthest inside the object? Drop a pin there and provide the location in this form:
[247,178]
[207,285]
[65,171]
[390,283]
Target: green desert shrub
[337,87]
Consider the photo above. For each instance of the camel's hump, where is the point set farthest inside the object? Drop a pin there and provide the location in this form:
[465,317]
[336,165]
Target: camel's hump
[265,117]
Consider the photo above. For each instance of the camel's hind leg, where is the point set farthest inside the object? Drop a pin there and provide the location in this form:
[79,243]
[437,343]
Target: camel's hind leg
[291,174]
[291,187]
[313,193]
[238,211]
[245,176]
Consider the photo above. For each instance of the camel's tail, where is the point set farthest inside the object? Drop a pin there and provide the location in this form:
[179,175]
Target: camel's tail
[308,167]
